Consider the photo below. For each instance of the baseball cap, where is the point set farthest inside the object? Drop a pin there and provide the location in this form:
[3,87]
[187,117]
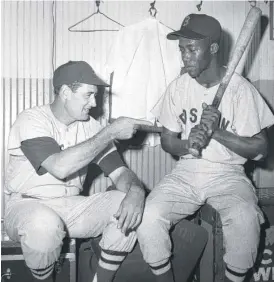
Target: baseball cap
[198,26]
[76,71]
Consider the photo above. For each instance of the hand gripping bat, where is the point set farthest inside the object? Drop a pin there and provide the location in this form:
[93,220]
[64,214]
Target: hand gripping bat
[237,53]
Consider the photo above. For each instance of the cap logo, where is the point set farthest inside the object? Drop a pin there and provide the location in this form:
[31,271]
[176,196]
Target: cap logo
[186,21]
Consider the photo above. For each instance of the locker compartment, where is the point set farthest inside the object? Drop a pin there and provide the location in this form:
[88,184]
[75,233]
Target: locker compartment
[14,269]
[212,267]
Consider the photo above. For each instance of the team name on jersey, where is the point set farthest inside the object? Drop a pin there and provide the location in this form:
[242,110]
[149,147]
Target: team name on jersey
[192,117]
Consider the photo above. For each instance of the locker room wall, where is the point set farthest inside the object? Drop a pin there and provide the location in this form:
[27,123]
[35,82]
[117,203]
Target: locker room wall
[35,39]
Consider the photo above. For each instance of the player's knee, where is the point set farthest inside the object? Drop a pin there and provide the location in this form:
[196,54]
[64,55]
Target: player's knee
[247,219]
[242,235]
[46,219]
[43,231]
[248,214]
[153,219]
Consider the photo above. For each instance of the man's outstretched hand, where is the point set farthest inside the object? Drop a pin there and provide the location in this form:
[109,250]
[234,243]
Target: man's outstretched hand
[124,128]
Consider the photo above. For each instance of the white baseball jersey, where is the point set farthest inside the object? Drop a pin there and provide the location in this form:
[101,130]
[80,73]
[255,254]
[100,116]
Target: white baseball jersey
[243,112]
[53,208]
[21,176]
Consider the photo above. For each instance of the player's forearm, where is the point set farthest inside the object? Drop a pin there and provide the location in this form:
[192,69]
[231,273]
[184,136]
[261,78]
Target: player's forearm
[174,146]
[254,147]
[126,180]
[72,159]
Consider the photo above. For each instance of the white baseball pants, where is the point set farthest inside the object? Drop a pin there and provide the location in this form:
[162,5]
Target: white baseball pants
[191,184]
[41,225]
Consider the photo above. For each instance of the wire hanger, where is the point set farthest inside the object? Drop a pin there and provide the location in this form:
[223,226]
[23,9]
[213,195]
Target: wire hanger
[94,30]
[199,6]
[153,12]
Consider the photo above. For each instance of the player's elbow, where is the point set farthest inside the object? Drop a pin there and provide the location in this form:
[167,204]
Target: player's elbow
[59,173]
[262,147]
[166,143]
[52,167]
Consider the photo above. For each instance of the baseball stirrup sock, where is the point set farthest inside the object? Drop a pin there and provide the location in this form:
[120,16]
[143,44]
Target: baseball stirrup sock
[109,263]
[42,274]
[111,260]
[95,278]
[235,276]
[160,268]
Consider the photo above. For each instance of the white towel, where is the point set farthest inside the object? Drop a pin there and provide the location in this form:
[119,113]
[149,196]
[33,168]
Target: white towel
[144,63]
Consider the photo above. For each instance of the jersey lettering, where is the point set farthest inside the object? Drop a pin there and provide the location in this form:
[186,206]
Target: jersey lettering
[183,116]
[193,115]
[193,118]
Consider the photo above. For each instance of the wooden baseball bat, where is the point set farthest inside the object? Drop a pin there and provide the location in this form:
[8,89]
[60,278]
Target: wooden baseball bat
[239,48]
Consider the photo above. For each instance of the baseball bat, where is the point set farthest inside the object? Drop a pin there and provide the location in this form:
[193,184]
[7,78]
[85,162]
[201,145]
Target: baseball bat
[243,39]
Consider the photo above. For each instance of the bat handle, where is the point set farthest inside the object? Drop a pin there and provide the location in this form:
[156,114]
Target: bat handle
[195,150]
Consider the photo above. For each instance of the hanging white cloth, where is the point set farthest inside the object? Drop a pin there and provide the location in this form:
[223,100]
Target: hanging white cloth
[144,62]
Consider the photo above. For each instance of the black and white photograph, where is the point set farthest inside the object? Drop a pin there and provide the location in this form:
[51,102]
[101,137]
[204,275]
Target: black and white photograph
[137,141]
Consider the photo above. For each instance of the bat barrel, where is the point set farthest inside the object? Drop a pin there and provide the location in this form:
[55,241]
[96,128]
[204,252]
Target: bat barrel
[244,37]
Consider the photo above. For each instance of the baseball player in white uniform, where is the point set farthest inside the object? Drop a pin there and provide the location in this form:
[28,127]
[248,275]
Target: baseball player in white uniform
[50,147]
[229,136]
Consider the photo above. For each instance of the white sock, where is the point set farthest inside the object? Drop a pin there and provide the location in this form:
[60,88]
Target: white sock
[42,274]
[160,268]
[235,274]
[95,278]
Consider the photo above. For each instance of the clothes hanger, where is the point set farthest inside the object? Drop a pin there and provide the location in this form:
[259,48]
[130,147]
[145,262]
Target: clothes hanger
[94,30]
[199,6]
[153,12]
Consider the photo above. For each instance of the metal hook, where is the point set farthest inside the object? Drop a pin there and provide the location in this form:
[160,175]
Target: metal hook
[152,8]
[199,6]
[97,5]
